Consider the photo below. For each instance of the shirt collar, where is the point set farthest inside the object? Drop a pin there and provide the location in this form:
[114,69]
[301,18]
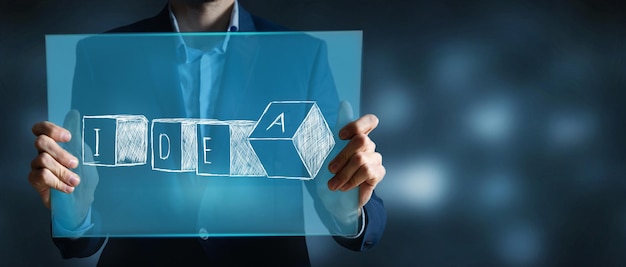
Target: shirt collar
[184,52]
[234,18]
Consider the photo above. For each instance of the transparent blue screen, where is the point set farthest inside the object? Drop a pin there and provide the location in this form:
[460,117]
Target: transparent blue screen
[204,134]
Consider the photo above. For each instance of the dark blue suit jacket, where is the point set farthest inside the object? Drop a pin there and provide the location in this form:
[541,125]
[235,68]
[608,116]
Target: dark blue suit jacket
[267,251]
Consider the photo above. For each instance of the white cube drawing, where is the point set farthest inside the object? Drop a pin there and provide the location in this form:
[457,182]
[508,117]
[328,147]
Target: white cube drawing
[292,139]
[224,149]
[115,140]
[174,145]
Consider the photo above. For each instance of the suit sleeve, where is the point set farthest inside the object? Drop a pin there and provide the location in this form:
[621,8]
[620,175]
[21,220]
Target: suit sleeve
[84,246]
[322,88]
[81,247]
[375,221]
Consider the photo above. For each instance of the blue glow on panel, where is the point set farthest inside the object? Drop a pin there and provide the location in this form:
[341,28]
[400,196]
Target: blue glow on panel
[241,149]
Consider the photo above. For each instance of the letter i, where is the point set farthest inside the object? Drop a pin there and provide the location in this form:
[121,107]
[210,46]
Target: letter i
[97,154]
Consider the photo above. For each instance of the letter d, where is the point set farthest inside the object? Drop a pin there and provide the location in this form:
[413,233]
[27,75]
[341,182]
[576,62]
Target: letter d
[161,139]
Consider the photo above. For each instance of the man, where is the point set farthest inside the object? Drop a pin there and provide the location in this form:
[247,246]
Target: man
[357,165]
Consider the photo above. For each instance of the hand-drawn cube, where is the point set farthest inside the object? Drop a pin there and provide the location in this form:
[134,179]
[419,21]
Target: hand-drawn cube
[292,139]
[115,140]
[174,145]
[224,149]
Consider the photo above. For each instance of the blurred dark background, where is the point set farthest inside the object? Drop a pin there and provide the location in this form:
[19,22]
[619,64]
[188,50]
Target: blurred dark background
[501,125]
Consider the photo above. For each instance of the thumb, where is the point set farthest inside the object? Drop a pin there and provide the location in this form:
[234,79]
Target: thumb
[72,124]
[344,116]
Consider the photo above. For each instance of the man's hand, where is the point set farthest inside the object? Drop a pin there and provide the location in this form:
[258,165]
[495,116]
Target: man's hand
[51,167]
[59,168]
[358,164]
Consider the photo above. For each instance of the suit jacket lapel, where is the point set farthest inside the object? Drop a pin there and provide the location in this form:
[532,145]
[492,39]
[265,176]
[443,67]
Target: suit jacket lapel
[241,56]
[246,23]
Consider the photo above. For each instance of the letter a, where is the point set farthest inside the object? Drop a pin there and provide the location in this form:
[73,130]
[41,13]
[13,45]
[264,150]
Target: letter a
[280,117]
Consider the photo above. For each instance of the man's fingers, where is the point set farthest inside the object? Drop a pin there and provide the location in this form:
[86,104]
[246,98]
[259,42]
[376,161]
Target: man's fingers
[50,168]
[53,174]
[42,180]
[365,193]
[51,130]
[72,124]
[346,173]
[363,125]
[367,175]
[45,144]
[34,177]
[362,167]
[48,134]
[358,143]
[370,171]
[345,114]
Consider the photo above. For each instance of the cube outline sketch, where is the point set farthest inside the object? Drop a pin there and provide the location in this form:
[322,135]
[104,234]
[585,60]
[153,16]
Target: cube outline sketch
[141,128]
[191,143]
[323,129]
[240,149]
